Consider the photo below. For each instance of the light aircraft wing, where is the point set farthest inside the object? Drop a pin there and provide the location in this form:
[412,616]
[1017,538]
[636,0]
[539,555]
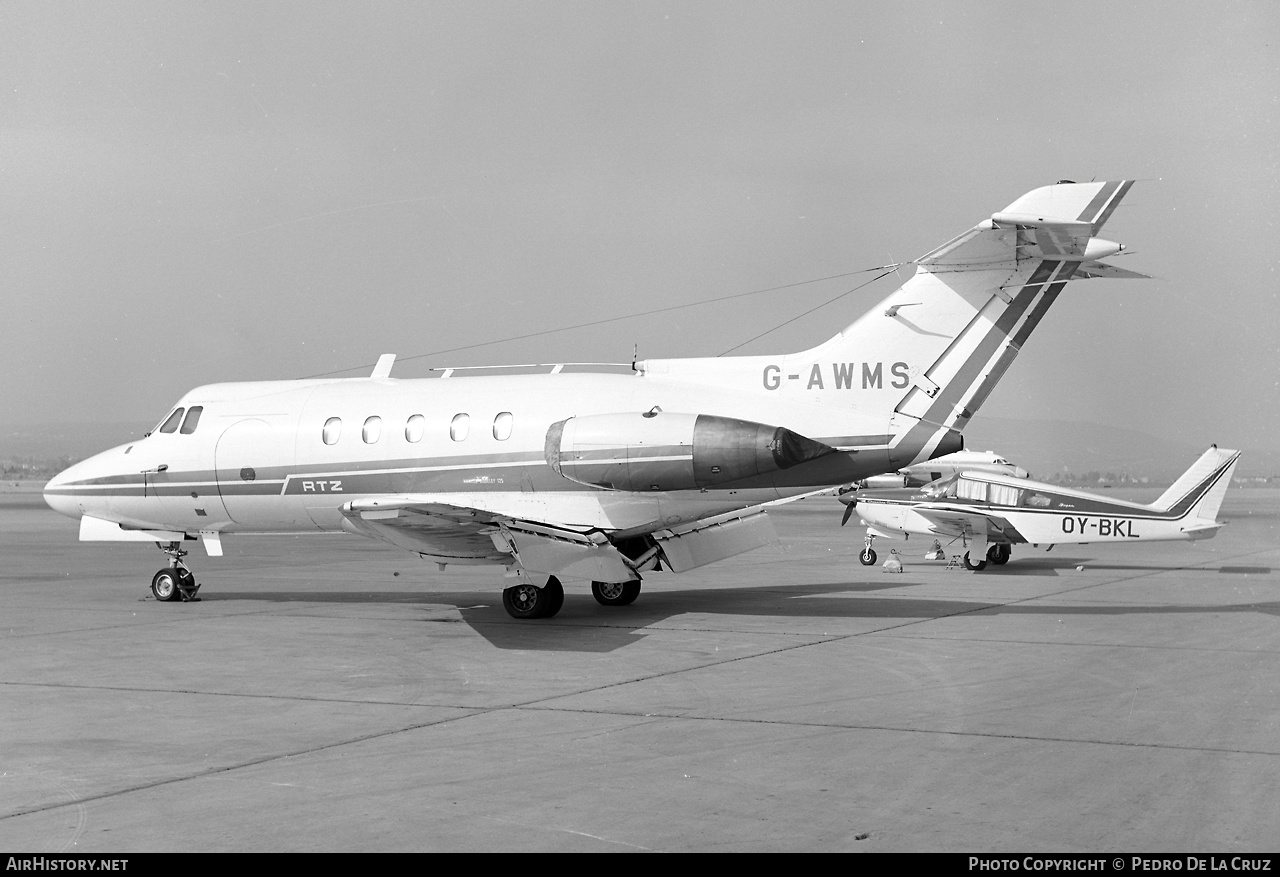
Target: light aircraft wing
[948,522]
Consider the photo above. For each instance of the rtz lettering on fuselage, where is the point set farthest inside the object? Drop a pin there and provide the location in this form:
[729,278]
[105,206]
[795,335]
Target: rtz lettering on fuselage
[840,376]
[322,487]
[1120,528]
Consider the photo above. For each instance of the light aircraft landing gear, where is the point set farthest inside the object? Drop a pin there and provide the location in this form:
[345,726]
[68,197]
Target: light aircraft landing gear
[969,564]
[999,554]
[174,582]
[616,593]
[868,555]
[529,601]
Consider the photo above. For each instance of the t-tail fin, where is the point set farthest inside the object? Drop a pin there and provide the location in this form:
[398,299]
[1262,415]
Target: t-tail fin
[926,358]
[1198,493]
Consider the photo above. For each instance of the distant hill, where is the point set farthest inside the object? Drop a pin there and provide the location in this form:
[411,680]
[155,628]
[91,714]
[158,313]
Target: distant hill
[1046,447]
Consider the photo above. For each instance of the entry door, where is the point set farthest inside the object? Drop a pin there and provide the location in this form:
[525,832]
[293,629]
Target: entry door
[252,458]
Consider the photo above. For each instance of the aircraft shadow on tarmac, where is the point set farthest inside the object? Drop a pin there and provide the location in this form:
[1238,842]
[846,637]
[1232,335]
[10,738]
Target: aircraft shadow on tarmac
[584,626]
[1052,566]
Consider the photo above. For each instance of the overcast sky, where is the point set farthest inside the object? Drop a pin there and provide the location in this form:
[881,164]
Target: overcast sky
[237,191]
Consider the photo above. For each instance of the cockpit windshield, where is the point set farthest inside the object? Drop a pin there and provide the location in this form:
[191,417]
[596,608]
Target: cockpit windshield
[940,489]
[171,422]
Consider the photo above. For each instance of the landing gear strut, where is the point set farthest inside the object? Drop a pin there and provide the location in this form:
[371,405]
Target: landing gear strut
[868,555]
[174,582]
[529,601]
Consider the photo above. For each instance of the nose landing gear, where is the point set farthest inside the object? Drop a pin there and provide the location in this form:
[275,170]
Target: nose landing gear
[868,555]
[174,582]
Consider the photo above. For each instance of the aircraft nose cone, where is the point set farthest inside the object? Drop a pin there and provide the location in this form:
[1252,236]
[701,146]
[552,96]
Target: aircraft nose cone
[58,497]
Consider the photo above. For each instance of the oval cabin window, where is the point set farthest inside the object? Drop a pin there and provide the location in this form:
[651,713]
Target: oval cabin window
[372,430]
[332,429]
[414,428]
[502,426]
[459,427]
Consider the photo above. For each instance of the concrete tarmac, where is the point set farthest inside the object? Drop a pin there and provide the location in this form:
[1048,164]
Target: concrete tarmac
[338,694]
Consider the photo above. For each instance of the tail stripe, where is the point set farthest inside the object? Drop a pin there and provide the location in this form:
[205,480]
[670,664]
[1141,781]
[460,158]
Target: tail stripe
[1099,201]
[1111,206]
[944,406]
[1193,496]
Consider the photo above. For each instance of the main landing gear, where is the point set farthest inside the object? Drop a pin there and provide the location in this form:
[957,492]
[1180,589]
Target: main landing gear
[999,554]
[174,582]
[530,601]
[616,593]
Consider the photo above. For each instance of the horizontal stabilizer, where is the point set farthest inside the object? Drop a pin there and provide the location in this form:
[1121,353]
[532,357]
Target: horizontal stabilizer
[1102,269]
[1077,208]
[1200,529]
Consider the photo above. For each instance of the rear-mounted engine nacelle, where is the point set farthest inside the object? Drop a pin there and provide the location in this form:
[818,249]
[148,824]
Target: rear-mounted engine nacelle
[662,451]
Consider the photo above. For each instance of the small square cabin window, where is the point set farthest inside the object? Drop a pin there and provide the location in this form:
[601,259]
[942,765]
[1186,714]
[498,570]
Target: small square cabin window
[193,419]
[372,430]
[414,427]
[459,427]
[1001,494]
[171,424]
[332,430]
[502,426]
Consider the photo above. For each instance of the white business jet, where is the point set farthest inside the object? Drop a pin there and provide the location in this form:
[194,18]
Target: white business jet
[599,477]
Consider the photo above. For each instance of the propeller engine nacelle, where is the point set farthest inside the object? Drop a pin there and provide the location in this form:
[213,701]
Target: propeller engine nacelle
[661,451]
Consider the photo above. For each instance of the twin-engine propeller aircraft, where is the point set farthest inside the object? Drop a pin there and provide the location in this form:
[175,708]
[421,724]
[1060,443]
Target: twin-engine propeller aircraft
[941,467]
[990,512]
[591,476]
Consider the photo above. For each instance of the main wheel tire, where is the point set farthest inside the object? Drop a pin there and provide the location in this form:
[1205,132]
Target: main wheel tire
[969,564]
[868,556]
[616,593]
[164,585]
[999,554]
[525,601]
[553,593]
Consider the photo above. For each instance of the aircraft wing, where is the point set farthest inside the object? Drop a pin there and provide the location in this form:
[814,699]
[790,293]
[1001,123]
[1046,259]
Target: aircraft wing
[440,531]
[536,535]
[946,521]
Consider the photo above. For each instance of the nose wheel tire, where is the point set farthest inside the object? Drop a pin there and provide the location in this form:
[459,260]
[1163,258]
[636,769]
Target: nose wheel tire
[616,593]
[165,585]
[867,557]
[969,564]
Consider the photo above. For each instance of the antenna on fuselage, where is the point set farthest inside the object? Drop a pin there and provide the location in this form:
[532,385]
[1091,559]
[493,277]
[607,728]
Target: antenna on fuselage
[383,368]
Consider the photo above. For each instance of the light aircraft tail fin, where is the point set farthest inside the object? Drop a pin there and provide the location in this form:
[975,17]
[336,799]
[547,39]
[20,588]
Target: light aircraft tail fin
[1199,492]
[927,357]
